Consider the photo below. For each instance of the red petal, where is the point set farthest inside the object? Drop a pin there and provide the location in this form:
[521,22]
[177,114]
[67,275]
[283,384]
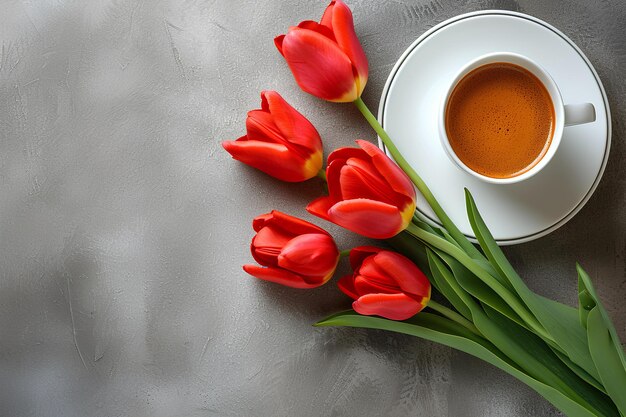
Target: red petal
[359,179]
[276,230]
[293,126]
[260,126]
[261,220]
[327,17]
[358,255]
[279,276]
[343,28]
[391,306]
[319,66]
[293,225]
[347,153]
[272,158]
[367,217]
[316,27]
[394,175]
[271,237]
[407,275]
[336,160]
[265,254]
[346,285]
[264,104]
[310,254]
[278,41]
[320,206]
[364,285]
[333,177]
[374,272]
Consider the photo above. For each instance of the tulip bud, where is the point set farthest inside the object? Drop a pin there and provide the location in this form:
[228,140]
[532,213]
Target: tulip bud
[385,284]
[279,141]
[292,252]
[369,193]
[326,58]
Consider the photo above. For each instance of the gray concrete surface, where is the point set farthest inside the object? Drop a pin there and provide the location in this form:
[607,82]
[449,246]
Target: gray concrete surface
[124,225]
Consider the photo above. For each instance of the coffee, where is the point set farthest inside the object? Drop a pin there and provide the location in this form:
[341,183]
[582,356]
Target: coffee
[500,120]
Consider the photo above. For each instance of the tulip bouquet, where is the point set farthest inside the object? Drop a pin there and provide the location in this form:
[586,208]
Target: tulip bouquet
[572,356]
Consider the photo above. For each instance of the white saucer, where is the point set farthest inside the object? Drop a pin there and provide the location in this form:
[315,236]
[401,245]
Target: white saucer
[518,212]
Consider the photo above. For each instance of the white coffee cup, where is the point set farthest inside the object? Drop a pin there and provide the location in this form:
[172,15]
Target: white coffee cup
[565,114]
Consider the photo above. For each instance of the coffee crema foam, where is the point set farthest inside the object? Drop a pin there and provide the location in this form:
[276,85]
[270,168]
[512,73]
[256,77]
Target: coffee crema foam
[500,120]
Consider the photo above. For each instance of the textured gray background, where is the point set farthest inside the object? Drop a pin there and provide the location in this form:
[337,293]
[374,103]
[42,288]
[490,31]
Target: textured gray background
[124,225]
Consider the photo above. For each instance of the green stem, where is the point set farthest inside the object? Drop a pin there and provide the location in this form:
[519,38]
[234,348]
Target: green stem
[417,180]
[322,174]
[344,253]
[454,316]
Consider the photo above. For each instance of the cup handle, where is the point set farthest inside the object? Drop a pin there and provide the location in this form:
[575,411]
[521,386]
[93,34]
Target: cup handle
[578,114]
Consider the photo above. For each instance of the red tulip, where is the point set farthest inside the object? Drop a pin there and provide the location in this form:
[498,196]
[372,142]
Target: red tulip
[385,284]
[326,58]
[280,141]
[369,193]
[293,252]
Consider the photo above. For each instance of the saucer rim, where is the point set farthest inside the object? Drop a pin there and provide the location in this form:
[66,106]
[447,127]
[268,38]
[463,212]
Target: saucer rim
[567,217]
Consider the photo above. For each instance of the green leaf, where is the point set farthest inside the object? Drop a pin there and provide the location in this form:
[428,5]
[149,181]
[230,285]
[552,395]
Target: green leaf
[585,303]
[586,280]
[509,297]
[441,330]
[585,299]
[532,362]
[561,322]
[488,244]
[482,261]
[535,356]
[450,239]
[564,325]
[447,285]
[477,288]
[412,249]
[434,230]
[579,371]
[606,357]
